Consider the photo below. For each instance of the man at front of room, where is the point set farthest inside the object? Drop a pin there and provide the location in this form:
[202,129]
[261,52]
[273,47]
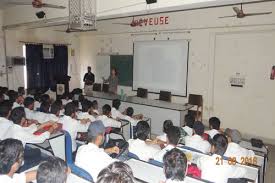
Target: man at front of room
[89,79]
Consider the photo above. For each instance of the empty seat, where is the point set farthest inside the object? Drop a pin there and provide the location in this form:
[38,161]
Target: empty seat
[143,93]
[97,87]
[165,96]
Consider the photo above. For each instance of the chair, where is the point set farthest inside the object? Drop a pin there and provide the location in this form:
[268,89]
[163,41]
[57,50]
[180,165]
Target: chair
[156,163]
[142,93]
[69,159]
[197,101]
[165,96]
[97,87]
[132,155]
[105,88]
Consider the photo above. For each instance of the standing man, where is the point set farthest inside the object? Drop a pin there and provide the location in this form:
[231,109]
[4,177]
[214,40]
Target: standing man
[89,80]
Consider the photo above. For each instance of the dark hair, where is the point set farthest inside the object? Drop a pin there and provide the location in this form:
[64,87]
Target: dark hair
[198,128]
[86,105]
[89,67]
[17,114]
[215,123]
[142,130]
[166,125]
[174,165]
[116,103]
[76,104]
[45,98]
[220,143]
[59,102]
[81,98]
[5,108]
[173,135]
[37,97]
[11,152]
[21,90]
[45,107]
[12,95]
[28,101]
[189,120]
[117,172]
[106,109]
[94,104]
[55,108]
[53,170]
[113,68]
[130,111]
[5,90]
[70,109]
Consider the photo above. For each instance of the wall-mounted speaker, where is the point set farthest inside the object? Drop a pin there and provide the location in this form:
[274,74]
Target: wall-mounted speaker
[151,1]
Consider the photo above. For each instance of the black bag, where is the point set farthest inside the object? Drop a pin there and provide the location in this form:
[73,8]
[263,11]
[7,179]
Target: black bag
[257,143]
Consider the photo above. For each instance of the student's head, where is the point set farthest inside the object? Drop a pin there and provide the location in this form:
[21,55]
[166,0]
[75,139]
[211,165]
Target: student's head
[53,170]
[76,104]
[12,95]
[189,120]
[5,109]
[116,104]
[233,135]
[174,165]
[94,105]
[219,144]
[21,90]
[55,108]
[11,156]
[1,97]
[106,110]
[198,128]
[19,99]
[114,72]
[81,98]
[117,172]
[5,90]
[70,110]
[37,97]
[142,130]
[18,116]
[96,132]
[86,106]
[29,103]
[89,69]
[166,125]
[214,123]
[173,135]
[45,98]
[130,111]
[45,107]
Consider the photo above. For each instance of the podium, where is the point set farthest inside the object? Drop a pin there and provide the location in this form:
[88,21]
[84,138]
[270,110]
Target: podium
[62,83]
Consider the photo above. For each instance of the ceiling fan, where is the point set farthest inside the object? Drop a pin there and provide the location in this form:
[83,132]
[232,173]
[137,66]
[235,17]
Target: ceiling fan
[133,23]
[70,30]
[35,4]
[241,14]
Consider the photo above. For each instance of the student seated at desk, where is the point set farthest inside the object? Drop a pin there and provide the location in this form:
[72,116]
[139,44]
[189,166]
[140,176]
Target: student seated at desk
[53,170]
[72,125]
[94,108]
[196,141]
[45,107]
[5,123]
[214,125]
[106,117]
[31,114]
[117,172]
[54,114]
[129,116]
[175,166]
[91,157]
[234,150]
[187,129]
[139,146]
[116,114]
[214,168]
[37,103]
[66,98]
[166,125]
[11,158]
[18,101]
[173,137]
[86,110]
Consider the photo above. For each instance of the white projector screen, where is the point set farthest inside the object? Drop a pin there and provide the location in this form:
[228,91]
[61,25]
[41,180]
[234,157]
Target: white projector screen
[161,65]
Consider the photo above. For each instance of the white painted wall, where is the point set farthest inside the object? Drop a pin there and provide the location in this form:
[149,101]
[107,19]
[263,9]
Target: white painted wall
[204,26]
[2,55]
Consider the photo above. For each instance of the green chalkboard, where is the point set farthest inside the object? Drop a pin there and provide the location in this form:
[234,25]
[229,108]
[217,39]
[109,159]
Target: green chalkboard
[124,66]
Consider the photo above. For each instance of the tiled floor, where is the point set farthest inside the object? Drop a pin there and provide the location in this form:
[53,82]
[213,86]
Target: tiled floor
[270,174]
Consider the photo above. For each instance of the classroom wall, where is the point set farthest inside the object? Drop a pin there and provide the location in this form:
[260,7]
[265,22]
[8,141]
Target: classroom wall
[205,29]
[2,53]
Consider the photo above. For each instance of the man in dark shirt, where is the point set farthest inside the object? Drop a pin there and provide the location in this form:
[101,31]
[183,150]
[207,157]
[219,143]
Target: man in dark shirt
[89,77]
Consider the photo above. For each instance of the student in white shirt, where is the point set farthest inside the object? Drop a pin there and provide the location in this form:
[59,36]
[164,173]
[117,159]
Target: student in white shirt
[175,166]
[72,125]
[53,170]
[95,111]
[67,98]
[106,118]
[214,168]
[166,125]
[173,137]
[31,114]
[86,110]
[234,150]
[187,129]
[91,157]
[18,102]
[5,123]
[21,91]
[196,141]
[54,114]
[116,114]
[11,157]
[129,116]
[214,124]
[139,146]
[45,107]
[5,93]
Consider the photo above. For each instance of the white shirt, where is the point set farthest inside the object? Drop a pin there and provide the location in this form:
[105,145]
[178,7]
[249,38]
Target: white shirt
[5,124]
[51,94]
[15,105]
[35,115]
[6,97]
[159,156]
[85,115]
[92,159]
[162,137]
[65,102]
[53,117]
[25,134]
[72,126]
[174,181]
[17,178]
[234,150]
[133,121]
[116,113]
[188,130]
[109,122]
[215,171]
[36,105]
[198,143]
[212,133]
[141,149]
